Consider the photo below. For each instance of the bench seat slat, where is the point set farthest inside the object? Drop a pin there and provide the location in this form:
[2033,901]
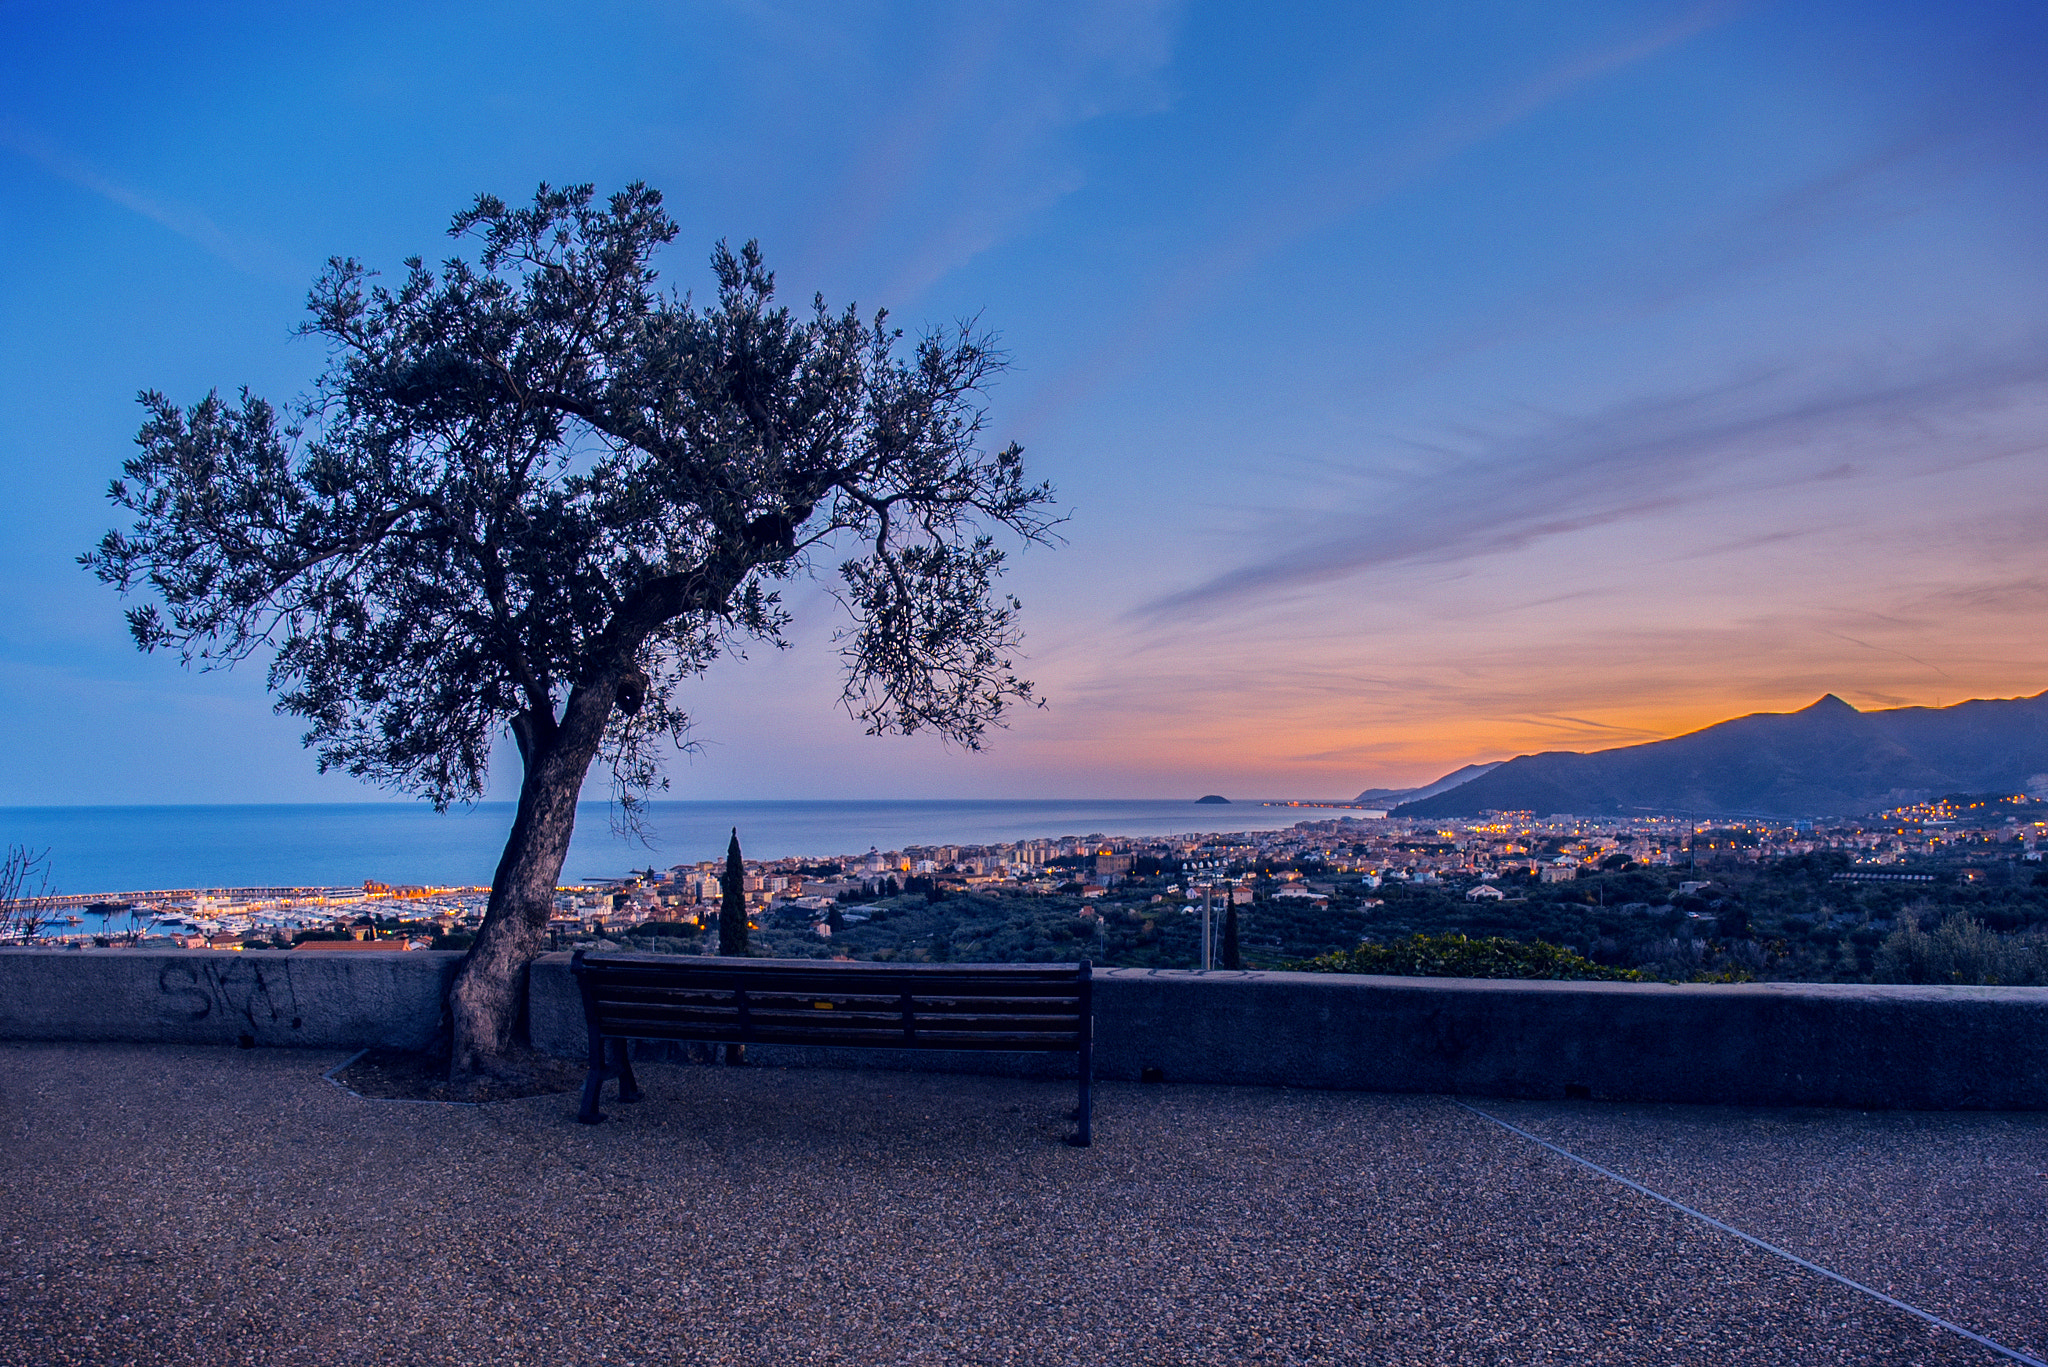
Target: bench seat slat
[807,1007]
[808,1001]
[824,985]
[838,967]
[731,1028]
[863,984]
[626,1025]
[869,1039]
[760,1020]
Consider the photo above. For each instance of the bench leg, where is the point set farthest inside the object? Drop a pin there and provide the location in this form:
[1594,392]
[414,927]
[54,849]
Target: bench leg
[1084,1113]
[593,1081]
[592,1084]
[629,1088]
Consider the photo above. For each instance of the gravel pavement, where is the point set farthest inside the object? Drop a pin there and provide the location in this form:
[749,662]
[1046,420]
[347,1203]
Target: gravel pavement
[168,1205]
[1944,1210]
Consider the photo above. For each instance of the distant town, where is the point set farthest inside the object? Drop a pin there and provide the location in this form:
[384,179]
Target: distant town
[1610,887]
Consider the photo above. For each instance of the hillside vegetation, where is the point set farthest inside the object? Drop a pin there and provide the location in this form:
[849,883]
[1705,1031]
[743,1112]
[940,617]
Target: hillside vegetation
[1789,920]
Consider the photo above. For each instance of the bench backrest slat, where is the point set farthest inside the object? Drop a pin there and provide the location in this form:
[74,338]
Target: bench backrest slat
[1021,1007]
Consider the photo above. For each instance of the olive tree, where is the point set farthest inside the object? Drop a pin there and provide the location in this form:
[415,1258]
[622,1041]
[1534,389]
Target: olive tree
[534,494]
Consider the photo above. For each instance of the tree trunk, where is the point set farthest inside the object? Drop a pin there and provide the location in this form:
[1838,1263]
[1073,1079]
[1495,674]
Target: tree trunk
[490,986]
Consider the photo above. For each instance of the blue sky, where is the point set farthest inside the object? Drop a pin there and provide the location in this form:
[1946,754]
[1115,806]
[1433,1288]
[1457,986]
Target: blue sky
[1428,383]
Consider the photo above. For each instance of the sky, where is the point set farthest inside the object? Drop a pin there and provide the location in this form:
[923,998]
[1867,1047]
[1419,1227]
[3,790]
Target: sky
[1425,383]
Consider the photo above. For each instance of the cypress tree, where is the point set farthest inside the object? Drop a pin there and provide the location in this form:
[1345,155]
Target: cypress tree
[732,920]
[1230,954]
[732,906]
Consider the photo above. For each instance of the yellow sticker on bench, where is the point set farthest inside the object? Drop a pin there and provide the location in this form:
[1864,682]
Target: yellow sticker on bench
[821,1006]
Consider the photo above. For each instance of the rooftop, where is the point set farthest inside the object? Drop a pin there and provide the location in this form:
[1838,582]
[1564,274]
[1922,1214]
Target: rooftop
[173,1204]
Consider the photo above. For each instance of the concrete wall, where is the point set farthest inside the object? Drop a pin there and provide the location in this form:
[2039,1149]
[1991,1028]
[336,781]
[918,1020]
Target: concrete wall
[307,1000]
[1770,1044]
[1774,1044]
[1781,1044]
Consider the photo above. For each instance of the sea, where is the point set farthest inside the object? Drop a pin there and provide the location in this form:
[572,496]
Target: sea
[138,849]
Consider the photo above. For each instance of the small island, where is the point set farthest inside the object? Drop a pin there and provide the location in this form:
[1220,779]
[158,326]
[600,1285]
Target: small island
[1213,798]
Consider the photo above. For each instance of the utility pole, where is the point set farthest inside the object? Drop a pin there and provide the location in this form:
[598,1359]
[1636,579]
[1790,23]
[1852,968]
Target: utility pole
[1208,902]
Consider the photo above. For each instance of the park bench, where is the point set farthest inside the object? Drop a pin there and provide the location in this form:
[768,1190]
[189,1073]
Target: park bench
[1021,1008]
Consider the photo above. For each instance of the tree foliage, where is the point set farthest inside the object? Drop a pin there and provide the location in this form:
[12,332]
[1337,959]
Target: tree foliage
[538,472]
[1455,956]
[1961,949]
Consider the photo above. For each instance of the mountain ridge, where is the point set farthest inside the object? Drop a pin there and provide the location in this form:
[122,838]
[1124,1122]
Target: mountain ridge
[1825,759]
[1390,796]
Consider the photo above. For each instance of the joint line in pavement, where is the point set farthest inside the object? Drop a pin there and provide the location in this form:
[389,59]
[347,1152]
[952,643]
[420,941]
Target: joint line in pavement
[1786,1254]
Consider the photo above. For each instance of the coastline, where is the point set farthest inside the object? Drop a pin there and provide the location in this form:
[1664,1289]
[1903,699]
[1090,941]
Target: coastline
[96,849]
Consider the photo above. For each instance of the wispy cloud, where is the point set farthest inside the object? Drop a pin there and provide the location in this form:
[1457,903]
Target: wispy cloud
[981,140]
[1299,199]
[244,254]
[1913,174]
[1887,650]
[1488,494]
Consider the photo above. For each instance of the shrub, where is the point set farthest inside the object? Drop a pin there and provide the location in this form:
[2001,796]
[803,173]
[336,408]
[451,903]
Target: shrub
[1961,950]
[1455,956]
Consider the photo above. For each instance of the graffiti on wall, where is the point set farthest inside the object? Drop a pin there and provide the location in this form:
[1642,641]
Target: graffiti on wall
[244,996]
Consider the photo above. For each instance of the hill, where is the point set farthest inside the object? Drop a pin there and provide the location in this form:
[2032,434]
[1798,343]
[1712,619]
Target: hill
[1824,760]
[1388,797]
